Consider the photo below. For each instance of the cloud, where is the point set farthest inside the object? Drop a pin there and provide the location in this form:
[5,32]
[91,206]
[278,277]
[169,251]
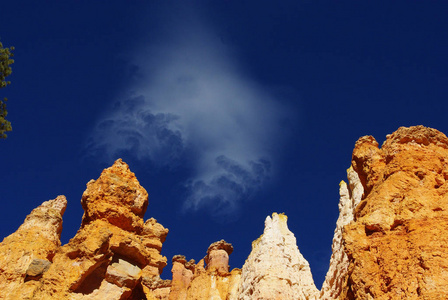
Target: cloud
[191,101]
[132,127]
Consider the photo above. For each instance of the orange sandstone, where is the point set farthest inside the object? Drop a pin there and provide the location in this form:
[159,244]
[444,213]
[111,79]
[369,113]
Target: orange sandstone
[398,245]
[390,240]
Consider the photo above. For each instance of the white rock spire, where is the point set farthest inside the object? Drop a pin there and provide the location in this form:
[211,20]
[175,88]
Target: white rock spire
[275,269]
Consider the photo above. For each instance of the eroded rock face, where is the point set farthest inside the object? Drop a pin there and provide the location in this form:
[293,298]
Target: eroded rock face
[214,281]
[208,279]
[114,255]
[217,258]
[116,197]
[182,275]
[34,243]
[275,269]
[397,246]
[389,241]
[350,196]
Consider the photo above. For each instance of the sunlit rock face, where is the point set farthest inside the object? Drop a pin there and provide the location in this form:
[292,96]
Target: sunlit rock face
[114,255]
[390,240]
[208,279]
[350,196]
[215,281]
[275,269]
[183,272]
[397,245]
[26,254]
[117,198]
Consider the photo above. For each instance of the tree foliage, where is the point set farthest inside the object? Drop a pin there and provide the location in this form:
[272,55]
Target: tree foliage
[5,71]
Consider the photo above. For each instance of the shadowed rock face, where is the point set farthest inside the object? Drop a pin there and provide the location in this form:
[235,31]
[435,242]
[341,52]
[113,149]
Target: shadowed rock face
[390,239]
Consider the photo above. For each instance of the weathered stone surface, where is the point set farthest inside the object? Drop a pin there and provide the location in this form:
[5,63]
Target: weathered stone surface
[109,256]
[275,269]
[210,281]
[217,258]
[123,273]
[350,196]
[156,288]
[117,197]
[397,246]
[389,241]
[182,275]
[215,281]
[37,238]
[37,268]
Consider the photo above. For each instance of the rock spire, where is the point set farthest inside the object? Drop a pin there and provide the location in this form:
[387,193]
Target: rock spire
[275,269]
[26,254]
[390,240]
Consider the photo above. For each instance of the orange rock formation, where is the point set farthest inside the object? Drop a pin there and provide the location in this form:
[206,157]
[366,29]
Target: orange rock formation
[389,242]
[114,255]
[397,245]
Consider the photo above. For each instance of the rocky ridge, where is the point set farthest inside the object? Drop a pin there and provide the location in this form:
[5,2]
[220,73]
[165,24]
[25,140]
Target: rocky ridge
[389,241]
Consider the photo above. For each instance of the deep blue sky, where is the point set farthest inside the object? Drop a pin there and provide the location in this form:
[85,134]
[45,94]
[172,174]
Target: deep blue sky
[189,94]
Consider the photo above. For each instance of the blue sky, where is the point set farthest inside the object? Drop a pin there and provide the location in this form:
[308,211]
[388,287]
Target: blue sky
[226,111]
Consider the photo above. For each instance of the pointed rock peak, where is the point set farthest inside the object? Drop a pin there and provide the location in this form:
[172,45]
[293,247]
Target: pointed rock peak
[116,196]
[58,205]
[47,217]
[278,222]
[26,254]
[120,171]
[275,269]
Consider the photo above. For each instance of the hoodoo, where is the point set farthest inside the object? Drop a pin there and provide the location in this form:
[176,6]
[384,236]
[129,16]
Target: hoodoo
[390,240]
[275,268]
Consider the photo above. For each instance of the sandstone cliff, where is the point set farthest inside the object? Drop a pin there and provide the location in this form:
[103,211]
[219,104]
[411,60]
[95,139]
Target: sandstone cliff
[389,241]
[397,246]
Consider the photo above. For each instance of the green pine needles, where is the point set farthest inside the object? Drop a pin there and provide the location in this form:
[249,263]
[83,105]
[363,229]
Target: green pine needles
[5,71]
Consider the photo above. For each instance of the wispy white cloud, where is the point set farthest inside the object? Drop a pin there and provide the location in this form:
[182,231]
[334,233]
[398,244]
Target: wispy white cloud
[192,102]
